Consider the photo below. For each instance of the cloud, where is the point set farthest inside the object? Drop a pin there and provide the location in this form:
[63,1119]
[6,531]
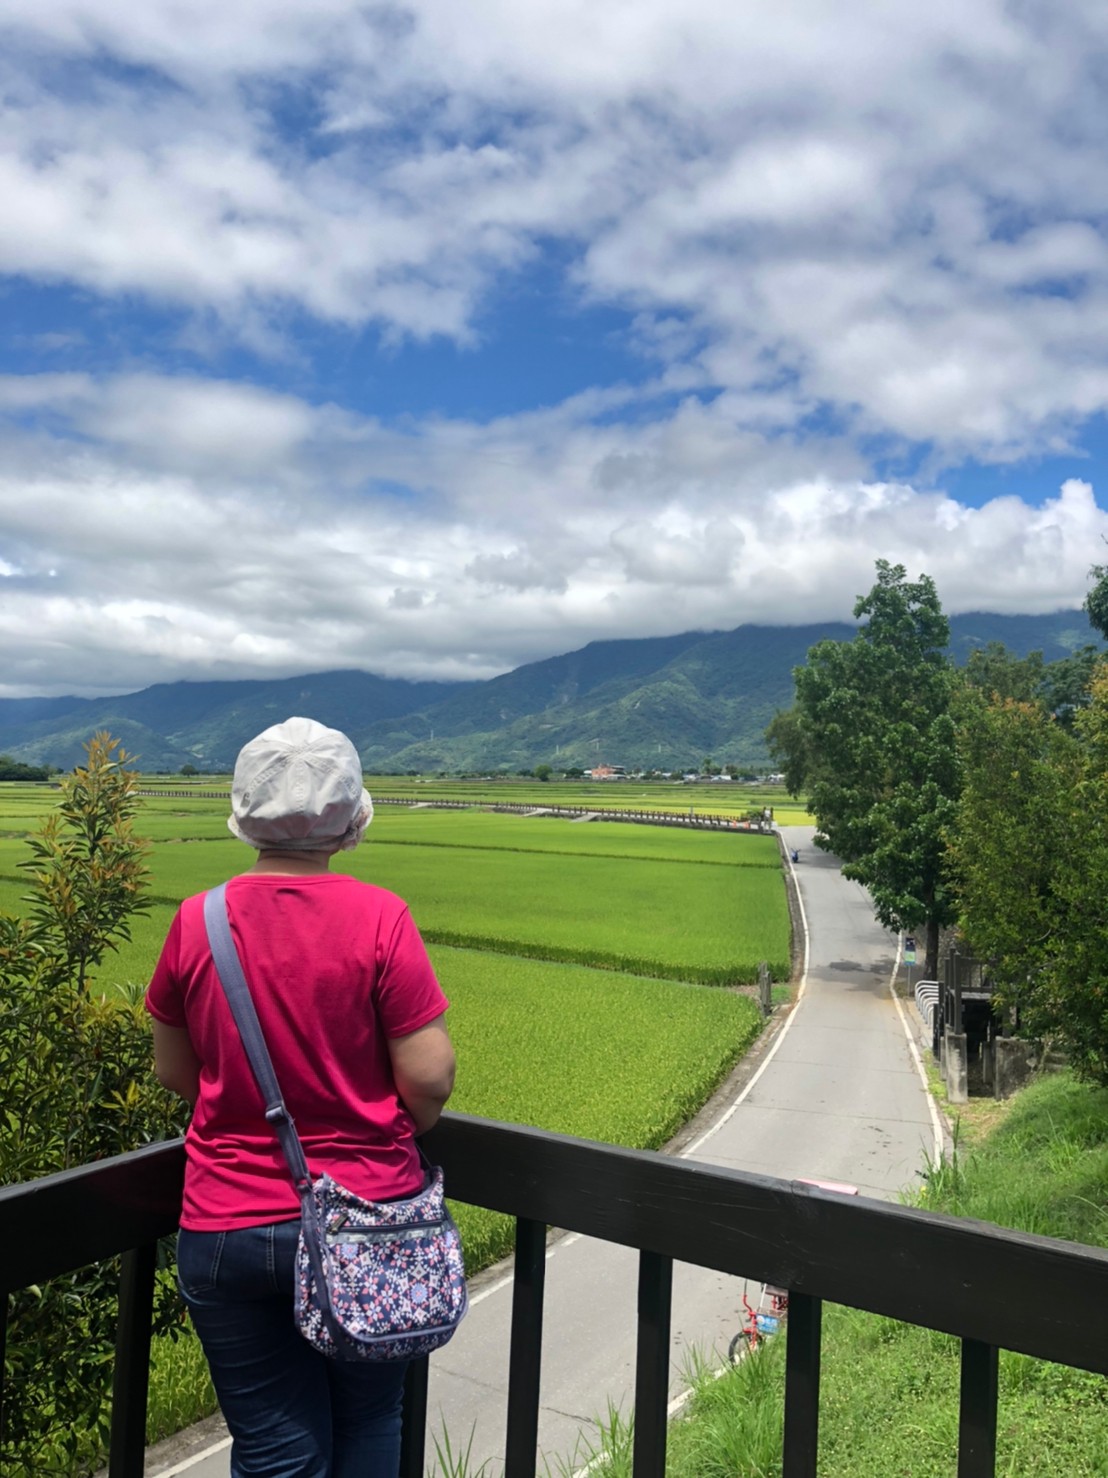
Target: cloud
[124,566]
[897,214]
[517,571]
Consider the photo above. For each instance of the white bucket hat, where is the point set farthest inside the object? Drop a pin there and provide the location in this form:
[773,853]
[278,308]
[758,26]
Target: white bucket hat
[298,786]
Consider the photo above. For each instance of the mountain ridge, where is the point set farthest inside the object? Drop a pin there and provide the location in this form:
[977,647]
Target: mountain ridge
[659,702]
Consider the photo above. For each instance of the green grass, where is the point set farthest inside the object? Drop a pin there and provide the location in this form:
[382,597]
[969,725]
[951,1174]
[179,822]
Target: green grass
[475,828]
[180,1387]
[686,921]
[889,1391]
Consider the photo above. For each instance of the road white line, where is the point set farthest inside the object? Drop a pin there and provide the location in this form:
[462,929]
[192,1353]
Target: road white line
[936,1121]
[781,1035]
[190,1462]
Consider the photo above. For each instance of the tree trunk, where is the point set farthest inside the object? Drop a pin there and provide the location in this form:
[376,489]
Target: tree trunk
[931,963]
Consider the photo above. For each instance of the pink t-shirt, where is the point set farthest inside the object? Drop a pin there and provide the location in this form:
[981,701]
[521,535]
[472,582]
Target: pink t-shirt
[335,967]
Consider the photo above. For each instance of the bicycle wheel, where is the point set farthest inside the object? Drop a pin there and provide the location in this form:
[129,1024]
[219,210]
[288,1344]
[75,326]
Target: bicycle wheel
[738,1347]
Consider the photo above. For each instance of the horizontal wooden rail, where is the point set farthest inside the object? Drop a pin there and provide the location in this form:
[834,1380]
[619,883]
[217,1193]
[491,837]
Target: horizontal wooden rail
[940,1272]
[66,1221]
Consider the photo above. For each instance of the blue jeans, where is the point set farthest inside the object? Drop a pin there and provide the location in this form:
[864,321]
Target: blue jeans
[292,1412]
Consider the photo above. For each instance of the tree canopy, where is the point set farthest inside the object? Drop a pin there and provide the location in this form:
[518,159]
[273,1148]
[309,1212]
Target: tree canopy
[871,740]
[12,769]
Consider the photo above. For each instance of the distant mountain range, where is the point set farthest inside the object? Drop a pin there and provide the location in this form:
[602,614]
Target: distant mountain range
[660,702]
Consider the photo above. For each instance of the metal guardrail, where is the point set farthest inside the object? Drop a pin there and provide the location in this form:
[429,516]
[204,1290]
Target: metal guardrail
[923,1268]
[927,1001]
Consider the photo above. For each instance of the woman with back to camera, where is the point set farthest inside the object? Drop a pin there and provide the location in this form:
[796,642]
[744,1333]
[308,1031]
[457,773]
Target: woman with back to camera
[353,1016]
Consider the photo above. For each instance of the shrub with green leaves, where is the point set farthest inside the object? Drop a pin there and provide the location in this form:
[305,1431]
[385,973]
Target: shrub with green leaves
[75,1086]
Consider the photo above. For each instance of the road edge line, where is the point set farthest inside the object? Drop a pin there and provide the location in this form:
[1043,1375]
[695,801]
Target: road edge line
[190,1462]
[932,1106]
[749,1087]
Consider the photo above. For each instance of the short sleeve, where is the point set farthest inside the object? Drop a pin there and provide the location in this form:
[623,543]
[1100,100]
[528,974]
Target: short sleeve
[408,995]
[164,999]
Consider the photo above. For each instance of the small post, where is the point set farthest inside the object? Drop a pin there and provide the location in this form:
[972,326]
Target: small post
[765,989]
[413,1431]
[955,1060]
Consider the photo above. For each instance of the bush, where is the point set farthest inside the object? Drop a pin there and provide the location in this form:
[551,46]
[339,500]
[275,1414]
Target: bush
[75,1086]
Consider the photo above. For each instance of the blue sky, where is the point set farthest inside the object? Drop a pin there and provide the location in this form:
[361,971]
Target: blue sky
[432,340]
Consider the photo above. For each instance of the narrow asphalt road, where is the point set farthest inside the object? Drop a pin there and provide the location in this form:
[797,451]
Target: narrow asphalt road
[834,1094]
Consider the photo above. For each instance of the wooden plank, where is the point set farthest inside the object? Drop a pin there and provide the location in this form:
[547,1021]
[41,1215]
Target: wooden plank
[655,1300]
[66,1221]
[802,1362]
[936,1271]
[525,1364]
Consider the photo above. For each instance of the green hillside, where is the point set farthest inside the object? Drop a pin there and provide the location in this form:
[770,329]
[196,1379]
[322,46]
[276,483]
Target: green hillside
[663,703]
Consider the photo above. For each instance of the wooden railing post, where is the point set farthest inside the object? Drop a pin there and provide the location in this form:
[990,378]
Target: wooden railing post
[131,1377]
[977,1417]
[4,1298]
[802,1361]
[413,1427]
[652,1365]
[521,1442]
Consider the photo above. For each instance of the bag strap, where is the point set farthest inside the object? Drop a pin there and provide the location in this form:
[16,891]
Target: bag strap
[228,967]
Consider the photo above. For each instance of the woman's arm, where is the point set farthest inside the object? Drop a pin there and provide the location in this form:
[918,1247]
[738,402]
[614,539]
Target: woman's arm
[423,1067]
[176,1065]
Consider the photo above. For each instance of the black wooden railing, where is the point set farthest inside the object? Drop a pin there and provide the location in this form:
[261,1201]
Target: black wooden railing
[994,1289]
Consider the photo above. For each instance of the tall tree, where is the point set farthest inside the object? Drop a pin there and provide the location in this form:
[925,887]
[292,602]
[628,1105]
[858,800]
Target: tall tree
[1096,602]
[1065,687]
[1029,850]
[1070,996]
[1015,826]
[871,739]
[999,673]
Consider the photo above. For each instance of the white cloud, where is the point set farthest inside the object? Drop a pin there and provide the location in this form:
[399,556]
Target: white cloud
[123,567]
[880,205]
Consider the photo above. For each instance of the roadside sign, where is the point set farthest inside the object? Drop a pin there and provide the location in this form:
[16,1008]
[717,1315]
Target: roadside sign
[909,950]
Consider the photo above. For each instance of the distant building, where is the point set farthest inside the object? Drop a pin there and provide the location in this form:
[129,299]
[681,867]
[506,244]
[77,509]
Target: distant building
[607,772]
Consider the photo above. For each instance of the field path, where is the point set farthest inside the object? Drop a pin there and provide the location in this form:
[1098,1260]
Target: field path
[834,1094]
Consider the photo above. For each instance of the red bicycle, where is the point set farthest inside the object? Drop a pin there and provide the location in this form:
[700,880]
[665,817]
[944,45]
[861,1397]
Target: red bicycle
[761,1322]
